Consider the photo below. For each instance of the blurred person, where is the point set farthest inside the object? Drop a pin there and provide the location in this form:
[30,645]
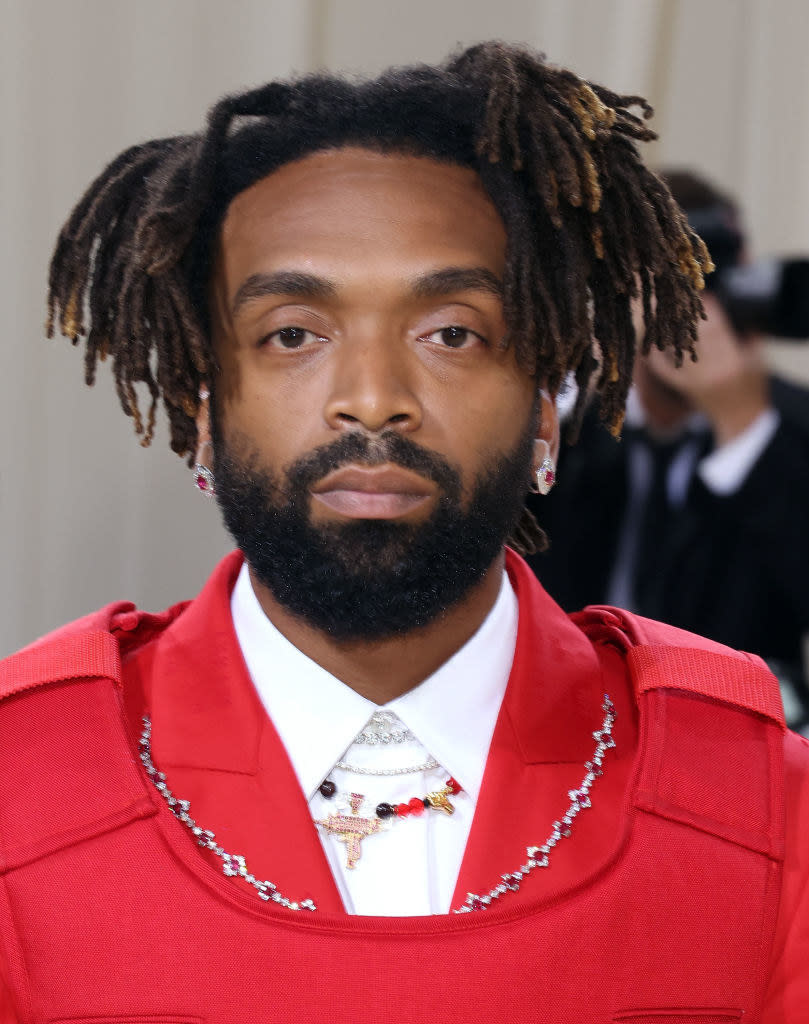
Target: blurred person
[372,770]
[697,515]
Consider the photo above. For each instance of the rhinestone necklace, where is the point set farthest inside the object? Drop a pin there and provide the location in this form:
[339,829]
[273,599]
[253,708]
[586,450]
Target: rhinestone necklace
[235,865]
[415,769]
[384,727]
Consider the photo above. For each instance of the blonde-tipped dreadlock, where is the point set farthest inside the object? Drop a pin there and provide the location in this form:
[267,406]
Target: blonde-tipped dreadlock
[589,227]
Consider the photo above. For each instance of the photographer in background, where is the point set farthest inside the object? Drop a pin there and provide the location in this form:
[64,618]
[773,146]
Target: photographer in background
[698,514]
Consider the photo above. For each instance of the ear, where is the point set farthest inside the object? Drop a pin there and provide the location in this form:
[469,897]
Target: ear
[547,438]
[203,423]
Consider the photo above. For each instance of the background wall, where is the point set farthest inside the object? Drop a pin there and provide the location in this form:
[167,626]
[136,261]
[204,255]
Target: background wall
[86,515]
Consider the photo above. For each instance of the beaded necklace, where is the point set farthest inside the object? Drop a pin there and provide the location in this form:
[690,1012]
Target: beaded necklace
[235,865]
[351,829]
[416,806]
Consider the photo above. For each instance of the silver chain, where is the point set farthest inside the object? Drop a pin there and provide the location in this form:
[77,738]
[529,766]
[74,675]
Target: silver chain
[538,856]
[232,864]
[428,766]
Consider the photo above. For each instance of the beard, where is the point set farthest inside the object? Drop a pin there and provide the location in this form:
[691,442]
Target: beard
[372,579]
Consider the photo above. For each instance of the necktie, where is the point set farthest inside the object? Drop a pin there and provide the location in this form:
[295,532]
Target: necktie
[655,524]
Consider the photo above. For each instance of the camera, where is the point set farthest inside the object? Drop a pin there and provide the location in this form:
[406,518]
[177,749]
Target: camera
[769,296]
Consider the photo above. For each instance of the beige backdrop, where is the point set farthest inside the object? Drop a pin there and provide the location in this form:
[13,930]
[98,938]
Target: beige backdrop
[86,515]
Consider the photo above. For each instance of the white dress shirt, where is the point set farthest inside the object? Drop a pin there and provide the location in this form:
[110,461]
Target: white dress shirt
[725,469]
[412,866]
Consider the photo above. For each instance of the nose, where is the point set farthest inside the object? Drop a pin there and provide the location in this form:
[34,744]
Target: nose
[373,387]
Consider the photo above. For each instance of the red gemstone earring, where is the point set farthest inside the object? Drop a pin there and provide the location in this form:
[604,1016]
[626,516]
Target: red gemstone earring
[546,475]
[204,480]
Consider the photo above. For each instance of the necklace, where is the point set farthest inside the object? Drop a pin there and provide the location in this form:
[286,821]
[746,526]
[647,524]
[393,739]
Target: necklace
[415,769]
[384,727]
[538,856]
[439,800]
[351,829]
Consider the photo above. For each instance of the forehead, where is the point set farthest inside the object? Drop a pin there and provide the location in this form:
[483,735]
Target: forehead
[354,208]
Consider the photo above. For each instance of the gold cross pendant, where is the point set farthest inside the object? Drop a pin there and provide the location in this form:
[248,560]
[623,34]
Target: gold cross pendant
[351,829]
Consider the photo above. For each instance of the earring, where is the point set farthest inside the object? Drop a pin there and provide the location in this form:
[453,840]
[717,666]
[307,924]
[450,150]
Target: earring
[546,476]
[204,480]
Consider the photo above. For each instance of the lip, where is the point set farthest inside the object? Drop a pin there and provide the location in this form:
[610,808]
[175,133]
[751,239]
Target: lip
[373,492]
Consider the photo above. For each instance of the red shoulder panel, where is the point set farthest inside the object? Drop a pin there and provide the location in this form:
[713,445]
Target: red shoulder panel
[89,655]
[665,657]
[745,682]
[83,649]
[88,648]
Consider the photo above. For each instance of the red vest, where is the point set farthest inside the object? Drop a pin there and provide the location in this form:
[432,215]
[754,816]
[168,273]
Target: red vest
[662,905]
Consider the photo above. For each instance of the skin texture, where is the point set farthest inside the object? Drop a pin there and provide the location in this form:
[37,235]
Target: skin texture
[371,258]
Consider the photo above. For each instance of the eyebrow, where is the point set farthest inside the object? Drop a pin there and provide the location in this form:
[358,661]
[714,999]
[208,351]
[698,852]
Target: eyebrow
[457,279]
[433,284]
[282,282]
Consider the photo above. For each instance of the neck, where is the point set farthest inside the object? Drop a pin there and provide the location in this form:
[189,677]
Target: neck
[381,670]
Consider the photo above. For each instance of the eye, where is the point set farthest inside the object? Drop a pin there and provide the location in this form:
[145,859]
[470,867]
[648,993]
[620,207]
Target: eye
[453,337]
[291,338]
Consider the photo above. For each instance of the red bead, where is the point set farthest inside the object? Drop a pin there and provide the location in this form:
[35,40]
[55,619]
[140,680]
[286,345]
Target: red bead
[202,483]
[402,810]
[416,805]
[453,786]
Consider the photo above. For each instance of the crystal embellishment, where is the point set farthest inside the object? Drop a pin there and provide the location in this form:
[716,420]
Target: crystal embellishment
[351,829]
[579,801]
[204,480]
[234,865]
[384,727]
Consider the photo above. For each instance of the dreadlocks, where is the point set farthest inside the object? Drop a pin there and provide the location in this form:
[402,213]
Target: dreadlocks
[589,228]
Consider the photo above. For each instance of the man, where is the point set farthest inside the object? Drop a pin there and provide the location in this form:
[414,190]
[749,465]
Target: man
[698,516]
[368,773]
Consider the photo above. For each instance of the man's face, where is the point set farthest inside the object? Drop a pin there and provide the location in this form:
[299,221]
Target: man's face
[366,411]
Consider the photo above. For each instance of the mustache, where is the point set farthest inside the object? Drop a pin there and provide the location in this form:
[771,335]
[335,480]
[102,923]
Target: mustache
[373,450]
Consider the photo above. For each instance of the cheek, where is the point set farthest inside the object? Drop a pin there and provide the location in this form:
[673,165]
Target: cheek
[490,423]
[278,411]
[500,408]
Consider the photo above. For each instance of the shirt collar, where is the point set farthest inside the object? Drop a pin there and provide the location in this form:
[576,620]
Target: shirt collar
[452,713]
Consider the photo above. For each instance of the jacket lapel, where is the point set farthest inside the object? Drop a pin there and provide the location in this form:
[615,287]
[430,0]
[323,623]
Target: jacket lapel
[542,738]
[219,750]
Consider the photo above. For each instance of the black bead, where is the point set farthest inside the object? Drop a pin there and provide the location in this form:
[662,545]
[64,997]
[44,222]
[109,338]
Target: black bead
[384,810]
[328,789]
[426,803]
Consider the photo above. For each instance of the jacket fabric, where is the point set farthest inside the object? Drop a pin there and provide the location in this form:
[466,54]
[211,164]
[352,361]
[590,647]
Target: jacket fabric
[679,895]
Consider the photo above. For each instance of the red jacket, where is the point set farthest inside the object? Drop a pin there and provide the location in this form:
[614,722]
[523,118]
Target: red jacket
[662,906]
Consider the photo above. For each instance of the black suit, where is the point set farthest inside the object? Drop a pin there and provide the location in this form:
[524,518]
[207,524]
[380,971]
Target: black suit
[734,568]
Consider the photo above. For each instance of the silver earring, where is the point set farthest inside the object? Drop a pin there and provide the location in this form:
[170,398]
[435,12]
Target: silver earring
[204,480]
[546,476]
